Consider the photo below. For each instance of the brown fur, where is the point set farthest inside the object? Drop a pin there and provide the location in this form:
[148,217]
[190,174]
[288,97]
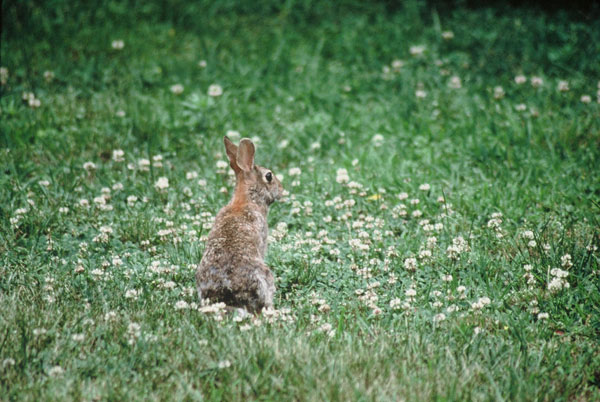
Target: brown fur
[232,269]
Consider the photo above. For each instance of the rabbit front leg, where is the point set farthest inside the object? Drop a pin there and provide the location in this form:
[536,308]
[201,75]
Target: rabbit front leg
[266,287]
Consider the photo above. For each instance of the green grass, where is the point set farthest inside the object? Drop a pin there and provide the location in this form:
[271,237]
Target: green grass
[85,318]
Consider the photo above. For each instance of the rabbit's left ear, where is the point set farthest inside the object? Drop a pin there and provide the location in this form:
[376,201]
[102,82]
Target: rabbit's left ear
[245,155]
[231,150]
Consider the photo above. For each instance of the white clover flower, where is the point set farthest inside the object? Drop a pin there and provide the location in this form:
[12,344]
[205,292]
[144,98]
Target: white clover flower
[8,362]
[215,90]
[447,35]
[97,272]
[89,166]
[118,44]
[425,254]
[26,96]
[21,211]
[233,134]
[410,264]
[499,92]
[439,317]
[481,303]
[420,94]
[559,273]
[39,331]
[48,76]
[396,65]
[106,230]
[452,308]
[377,140]
[131,294]
[563,86]
[110,316]
[134,329]
[566,261]
[417,213]
[176,89]
[425,187]
[3,75]
[78,337]
[157,161]
[294,171]
[537,82]
[120,113]
[557,284]
[202,64]
[543,316]
[342,176]
[521,107]
[520,79]
[417,50]
[118,155]
[528,234]
[164,232]
[56,371]
[224,364]
[221,164]
[181,305]
[144,165]
[395,303]
[586,99]
[162,184]
[455,82]
[34,103]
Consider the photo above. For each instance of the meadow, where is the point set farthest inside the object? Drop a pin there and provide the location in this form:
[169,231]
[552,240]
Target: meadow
[439,238]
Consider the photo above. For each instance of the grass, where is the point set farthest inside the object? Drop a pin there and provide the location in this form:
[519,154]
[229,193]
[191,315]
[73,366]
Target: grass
[97,288]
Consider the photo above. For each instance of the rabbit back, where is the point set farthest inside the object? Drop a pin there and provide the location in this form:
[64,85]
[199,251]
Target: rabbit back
[232,268]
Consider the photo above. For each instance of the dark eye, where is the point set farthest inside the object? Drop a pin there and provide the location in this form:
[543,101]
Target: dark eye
[269,176]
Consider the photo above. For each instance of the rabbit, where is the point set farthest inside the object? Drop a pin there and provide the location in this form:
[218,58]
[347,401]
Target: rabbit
[232,269]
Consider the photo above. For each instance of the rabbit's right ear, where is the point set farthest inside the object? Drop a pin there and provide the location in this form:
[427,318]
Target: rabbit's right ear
[232,150]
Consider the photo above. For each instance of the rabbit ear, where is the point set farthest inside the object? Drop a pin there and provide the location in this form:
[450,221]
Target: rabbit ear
[245,155]
[232,151]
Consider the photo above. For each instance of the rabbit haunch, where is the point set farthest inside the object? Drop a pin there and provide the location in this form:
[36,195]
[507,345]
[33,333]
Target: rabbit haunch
[232,269]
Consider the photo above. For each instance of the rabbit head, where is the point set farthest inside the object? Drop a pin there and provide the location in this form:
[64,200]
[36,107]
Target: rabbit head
[253,183]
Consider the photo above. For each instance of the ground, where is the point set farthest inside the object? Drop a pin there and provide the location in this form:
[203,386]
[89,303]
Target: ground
[438,240]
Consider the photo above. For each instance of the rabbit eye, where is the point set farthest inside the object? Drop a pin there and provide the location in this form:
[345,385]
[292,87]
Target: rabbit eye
[269,177]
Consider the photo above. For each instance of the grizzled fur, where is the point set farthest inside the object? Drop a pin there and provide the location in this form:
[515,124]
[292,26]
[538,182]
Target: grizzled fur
[232,269]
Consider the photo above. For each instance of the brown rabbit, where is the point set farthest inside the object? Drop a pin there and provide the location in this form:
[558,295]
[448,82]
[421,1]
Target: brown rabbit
[232,269]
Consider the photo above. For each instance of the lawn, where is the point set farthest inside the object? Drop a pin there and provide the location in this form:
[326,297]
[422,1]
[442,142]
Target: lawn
[439,238]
